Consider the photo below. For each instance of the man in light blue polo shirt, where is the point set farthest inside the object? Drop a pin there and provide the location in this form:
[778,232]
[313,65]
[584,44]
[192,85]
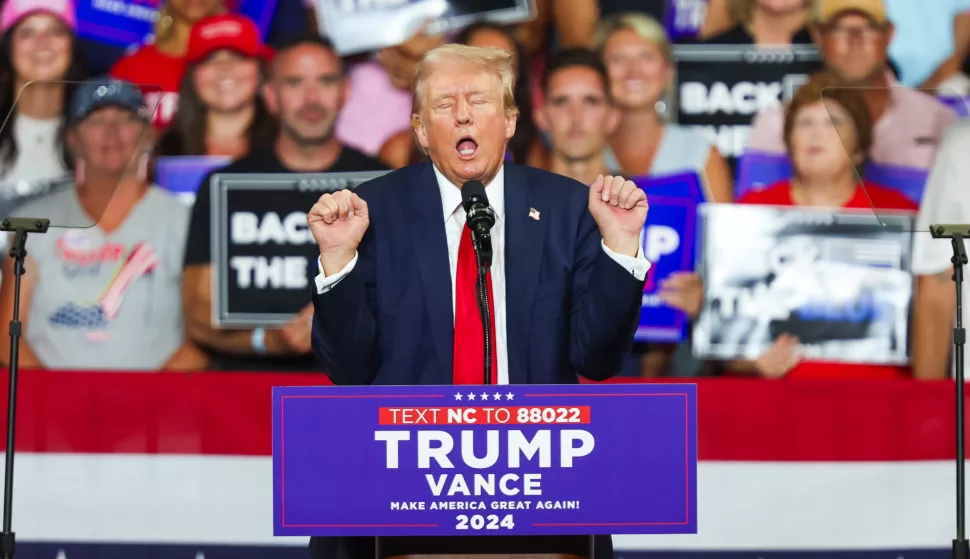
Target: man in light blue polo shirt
[923,41]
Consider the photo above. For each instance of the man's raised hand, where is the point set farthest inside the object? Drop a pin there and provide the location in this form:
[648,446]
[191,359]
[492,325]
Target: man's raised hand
[338,222]
[619,208]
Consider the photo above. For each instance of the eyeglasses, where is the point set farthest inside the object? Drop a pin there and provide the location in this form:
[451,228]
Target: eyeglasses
[868,32]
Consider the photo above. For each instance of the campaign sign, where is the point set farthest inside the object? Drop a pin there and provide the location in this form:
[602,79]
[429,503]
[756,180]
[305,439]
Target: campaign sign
[838,280]
[181,175]
[668,244]
[509,460]
[720,88]
[263,253]
[357,26]
[757,170]
[684,18]
[128,22]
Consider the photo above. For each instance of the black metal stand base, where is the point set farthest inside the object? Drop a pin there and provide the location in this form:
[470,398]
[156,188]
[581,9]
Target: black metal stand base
[20,227]
[961,549]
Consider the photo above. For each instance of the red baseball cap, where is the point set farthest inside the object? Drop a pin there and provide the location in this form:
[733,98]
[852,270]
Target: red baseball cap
[225,31]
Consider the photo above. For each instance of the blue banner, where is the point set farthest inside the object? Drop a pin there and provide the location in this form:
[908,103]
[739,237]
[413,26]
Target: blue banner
[668,241]
[507,460]
[130,22]
[181,175]
[757,170]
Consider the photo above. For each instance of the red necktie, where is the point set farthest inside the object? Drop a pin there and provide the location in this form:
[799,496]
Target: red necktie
[469,348]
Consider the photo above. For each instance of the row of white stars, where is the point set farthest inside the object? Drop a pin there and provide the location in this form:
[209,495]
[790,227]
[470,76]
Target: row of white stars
[484,396]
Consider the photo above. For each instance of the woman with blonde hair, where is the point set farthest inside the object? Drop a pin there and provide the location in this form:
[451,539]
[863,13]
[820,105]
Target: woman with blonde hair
[757,22]
[640,65]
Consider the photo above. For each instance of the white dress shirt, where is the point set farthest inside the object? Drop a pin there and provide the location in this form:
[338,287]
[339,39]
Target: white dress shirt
[945,200]
[454,218]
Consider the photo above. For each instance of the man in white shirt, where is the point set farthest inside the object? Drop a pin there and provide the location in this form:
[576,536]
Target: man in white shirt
[946,199]
[396,301]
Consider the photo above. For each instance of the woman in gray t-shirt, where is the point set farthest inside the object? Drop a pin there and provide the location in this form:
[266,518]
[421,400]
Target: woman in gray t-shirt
[103,291]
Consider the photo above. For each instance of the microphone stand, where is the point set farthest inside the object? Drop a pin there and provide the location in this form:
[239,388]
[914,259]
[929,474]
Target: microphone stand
[20,226]
[961,550]
[482,241]
[956,234]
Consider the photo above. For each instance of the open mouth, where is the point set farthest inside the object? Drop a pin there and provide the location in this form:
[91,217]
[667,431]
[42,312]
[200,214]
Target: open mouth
[467,147]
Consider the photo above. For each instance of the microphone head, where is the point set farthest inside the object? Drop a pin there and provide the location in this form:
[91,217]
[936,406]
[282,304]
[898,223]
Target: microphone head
[473,192]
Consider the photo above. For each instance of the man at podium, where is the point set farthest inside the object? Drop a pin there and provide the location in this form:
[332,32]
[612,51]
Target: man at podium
[396,301]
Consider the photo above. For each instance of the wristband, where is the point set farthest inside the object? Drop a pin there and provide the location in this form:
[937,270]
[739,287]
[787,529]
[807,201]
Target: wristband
[258,341]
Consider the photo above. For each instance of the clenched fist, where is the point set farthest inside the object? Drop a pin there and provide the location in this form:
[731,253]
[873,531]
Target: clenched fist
[338,222]
[619,208]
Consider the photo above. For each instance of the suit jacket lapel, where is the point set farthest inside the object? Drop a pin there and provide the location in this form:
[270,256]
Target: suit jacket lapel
[524,239]
[427,230]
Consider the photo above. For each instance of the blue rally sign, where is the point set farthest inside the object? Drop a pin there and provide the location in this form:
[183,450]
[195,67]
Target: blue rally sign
[668,241]
[485,460]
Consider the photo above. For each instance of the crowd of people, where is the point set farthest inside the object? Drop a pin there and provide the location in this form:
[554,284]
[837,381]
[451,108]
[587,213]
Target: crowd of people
[134,292]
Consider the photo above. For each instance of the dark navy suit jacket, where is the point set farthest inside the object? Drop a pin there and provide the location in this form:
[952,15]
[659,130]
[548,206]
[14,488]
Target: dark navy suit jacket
[571,309]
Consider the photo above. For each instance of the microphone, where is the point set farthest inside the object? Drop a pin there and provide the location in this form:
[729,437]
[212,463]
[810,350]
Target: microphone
[480,218]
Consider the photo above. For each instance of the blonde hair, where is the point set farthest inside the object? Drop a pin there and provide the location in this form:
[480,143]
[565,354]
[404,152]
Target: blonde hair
[647,28]
[742,10]
[490,59]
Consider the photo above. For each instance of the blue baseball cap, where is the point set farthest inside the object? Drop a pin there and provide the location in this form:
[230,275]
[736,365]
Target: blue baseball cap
[106,92]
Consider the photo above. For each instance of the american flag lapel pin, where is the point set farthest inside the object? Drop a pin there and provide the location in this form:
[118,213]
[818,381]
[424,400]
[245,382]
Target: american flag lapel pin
[534,214]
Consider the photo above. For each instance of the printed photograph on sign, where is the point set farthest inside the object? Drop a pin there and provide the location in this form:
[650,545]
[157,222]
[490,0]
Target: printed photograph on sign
[839,281]
[357,26]
[264,256]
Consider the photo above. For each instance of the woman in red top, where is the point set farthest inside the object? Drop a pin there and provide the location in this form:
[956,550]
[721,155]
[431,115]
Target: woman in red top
[826,140]
[220,110]
[157,67]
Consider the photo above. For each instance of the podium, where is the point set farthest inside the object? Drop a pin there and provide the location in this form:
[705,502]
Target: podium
[483,470]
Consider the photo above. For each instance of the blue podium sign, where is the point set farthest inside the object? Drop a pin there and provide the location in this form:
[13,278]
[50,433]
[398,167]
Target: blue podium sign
[485,460]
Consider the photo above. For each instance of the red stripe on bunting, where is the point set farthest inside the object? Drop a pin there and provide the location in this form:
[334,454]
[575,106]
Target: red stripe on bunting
[230,414]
